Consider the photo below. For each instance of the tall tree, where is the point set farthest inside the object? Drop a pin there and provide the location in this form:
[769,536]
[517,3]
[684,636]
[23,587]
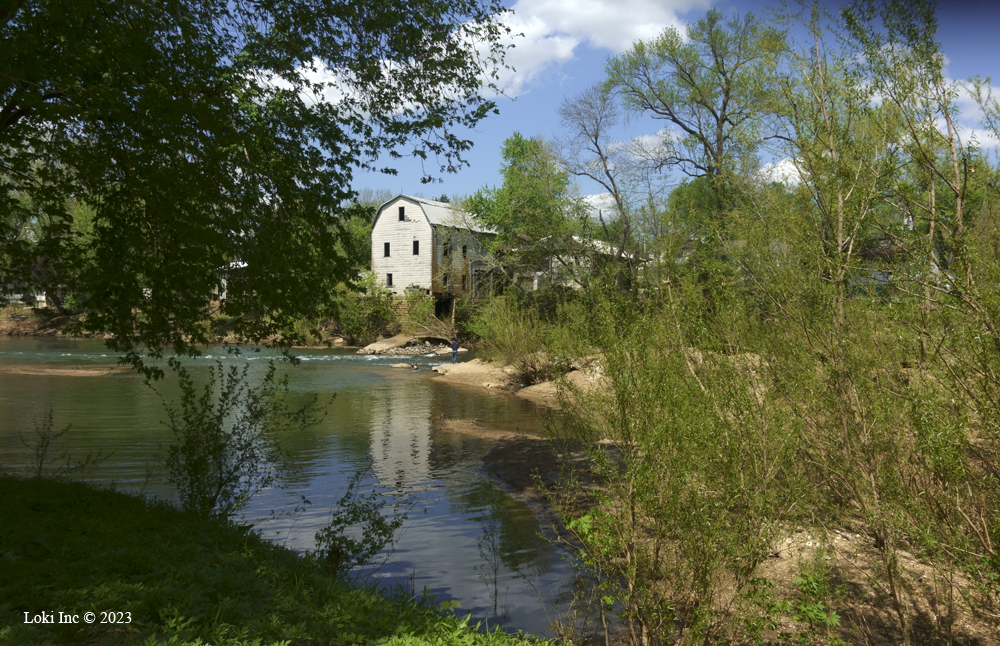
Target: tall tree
[532,211]
[841,144]
[712,86]
[205,132]
[592,152]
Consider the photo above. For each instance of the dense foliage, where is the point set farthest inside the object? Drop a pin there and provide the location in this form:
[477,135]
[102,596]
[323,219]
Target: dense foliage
[533,213]
[816,350]
[215,140]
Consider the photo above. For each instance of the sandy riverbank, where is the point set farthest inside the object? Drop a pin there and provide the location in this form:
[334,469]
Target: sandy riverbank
[21,323]
[485,374]
[477,372]
[64,371]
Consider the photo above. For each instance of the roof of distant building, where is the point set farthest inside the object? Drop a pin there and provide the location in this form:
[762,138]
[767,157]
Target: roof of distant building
[444,214]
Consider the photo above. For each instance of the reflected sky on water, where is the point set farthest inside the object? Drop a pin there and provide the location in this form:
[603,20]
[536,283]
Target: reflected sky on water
[464,540]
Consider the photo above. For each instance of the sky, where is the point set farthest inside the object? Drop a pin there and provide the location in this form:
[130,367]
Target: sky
[563,52]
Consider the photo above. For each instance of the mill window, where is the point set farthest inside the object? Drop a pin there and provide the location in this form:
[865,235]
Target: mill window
[416,247]
[465,251]
[388,280]
[385,249]
[402,213]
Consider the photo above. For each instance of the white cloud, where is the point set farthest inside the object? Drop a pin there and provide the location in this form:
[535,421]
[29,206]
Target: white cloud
[323,76]
[984,139]
[783,171]
[654,147]
[600,205]
[970,118]
[545,33]
[599,200]
[967,118]
[318,76]
[553,29]
[609,24]
[651,142]
[536,48]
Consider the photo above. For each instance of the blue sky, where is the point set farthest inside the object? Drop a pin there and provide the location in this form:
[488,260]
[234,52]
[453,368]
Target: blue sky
[564,49]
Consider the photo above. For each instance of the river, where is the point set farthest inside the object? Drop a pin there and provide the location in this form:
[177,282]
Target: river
[464,540]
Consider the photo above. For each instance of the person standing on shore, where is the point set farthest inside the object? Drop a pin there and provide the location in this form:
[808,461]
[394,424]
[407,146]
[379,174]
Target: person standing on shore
[454,349]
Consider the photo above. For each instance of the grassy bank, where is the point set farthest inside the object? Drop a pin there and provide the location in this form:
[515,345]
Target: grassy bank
[66,547]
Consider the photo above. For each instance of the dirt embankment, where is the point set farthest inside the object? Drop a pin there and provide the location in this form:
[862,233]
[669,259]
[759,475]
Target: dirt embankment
[485,374]
[548,392]
[61,371]
[17,321]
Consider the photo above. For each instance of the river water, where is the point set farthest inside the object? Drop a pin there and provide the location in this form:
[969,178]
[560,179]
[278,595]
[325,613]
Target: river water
[464,540]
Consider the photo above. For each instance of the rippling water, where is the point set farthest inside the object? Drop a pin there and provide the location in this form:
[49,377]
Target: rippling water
[464,539]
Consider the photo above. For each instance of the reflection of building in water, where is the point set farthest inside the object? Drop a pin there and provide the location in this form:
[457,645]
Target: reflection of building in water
[401,429]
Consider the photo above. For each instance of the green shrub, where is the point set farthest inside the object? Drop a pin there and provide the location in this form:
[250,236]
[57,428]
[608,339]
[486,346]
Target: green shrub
[696,466]
[49,455]
[419,311]
[226,438]
[466,310]
[367,315]
[512,334]
[567,337]
[344,551]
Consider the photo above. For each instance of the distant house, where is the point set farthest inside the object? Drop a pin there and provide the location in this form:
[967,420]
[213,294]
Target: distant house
[232,272]
[574,261]
[429,246]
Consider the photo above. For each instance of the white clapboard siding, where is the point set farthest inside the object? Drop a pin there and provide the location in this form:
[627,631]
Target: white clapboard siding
[433,224]
[406,269]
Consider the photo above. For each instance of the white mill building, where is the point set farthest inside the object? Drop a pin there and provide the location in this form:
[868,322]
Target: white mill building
[420,244]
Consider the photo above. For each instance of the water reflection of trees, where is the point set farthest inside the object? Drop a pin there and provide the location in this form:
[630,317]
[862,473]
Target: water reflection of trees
[510,541]
[391,422]
[504,413]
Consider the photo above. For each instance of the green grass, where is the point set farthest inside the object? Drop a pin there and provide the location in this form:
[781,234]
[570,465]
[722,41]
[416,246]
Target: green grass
[67,547]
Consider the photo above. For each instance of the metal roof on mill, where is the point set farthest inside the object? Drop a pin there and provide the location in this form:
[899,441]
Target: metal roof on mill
[440,214]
